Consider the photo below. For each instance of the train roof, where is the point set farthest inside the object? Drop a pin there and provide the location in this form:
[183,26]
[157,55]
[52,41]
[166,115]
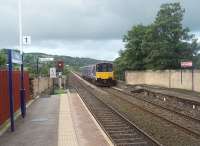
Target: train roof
[96,64]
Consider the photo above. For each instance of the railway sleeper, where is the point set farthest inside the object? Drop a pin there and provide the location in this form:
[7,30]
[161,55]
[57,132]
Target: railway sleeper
[129,140]
[114,122]
[134,144]
[115,125]
[124,136]
[104,110]
[107,115]
[117,128]
[108,119]
[129,131]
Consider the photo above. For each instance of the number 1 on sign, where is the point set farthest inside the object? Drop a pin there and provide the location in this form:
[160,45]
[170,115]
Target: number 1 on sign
[26,40]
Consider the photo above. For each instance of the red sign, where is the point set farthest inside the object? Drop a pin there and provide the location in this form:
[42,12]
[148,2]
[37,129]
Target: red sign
[186,64]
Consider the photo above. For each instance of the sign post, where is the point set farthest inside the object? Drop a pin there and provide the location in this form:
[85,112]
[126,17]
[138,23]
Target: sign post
[52,73]
[21,41]
[26,41]
[11,90]
[188,64]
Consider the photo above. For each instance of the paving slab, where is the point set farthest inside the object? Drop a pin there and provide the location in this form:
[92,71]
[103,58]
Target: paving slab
[39,128]
[58,120]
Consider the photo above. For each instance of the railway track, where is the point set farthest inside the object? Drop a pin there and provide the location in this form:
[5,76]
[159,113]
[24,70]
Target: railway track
[158,105]
[121,131]
[188,129]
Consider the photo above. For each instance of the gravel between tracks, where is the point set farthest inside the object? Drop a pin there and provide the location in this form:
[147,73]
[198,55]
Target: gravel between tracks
[171,102]
[183,121]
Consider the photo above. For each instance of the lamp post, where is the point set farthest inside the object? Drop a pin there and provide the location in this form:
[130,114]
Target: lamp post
[22,90]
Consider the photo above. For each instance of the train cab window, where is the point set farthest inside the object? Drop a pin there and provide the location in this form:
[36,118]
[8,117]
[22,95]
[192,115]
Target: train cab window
[99,68]
[110,67]
[104,67]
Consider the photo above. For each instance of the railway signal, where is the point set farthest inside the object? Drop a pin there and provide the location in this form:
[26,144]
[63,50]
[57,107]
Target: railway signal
[60,66]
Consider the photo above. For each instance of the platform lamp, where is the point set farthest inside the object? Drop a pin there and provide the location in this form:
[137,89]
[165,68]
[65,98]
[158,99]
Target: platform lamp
[22,90]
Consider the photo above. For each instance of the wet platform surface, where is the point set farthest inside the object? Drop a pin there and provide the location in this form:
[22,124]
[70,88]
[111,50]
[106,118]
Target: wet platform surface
[58,120]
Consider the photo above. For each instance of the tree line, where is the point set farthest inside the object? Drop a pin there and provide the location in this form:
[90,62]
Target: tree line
[42,68]
[161,45]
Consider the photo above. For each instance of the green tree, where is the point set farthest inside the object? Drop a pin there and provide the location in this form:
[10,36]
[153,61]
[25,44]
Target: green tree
[134,55]
[2,58]
[167,41]
[160,45]
[197,61]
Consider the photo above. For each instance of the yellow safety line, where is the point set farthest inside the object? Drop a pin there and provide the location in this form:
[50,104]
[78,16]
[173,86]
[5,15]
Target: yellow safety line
[66,133]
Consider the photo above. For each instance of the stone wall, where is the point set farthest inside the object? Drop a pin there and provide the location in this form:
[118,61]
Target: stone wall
[39,85]
[168,78]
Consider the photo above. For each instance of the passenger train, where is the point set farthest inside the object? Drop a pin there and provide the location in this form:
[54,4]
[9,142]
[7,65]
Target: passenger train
[101,74]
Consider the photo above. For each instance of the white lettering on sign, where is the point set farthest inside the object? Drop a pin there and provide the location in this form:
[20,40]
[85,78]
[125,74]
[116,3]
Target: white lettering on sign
[52,72]
[186,64]
[26,40]
[16,57]
[46,59]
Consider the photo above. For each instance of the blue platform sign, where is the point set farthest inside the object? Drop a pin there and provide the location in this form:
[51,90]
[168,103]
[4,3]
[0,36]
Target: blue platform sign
[16,57]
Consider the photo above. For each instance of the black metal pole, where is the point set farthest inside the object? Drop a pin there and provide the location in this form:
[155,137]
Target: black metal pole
[22,91]
[192,79]
[181,76]
[37,67]
[53,86]
[11,90]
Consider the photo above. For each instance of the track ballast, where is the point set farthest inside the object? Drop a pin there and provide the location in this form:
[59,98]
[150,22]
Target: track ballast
[120,130]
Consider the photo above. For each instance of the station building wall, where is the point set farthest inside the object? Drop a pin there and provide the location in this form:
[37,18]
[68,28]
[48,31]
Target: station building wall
[166,78]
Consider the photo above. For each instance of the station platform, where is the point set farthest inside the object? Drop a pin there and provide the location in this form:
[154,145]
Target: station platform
[57,120]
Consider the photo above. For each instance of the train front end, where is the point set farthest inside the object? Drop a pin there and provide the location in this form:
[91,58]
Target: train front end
[105,74]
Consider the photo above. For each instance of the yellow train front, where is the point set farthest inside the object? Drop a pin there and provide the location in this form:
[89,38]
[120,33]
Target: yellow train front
[101,74]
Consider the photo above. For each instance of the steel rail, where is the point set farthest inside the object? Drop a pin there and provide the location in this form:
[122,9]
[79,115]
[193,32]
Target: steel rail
[116,112]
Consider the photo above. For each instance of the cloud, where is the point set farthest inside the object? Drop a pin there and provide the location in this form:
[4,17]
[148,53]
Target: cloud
[100,49]
[78,26]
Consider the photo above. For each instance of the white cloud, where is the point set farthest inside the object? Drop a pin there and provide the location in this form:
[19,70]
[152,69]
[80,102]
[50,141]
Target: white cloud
[100,49]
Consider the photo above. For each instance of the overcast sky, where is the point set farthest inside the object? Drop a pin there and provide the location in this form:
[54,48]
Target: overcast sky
[83,28]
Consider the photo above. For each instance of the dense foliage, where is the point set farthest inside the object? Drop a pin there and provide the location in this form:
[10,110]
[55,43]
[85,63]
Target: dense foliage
[2,58]
[71,63]
[160,45]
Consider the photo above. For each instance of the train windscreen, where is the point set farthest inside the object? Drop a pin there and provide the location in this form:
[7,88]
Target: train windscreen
[104,67]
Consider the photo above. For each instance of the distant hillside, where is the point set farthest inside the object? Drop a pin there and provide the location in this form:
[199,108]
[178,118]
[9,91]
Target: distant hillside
[71,61]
